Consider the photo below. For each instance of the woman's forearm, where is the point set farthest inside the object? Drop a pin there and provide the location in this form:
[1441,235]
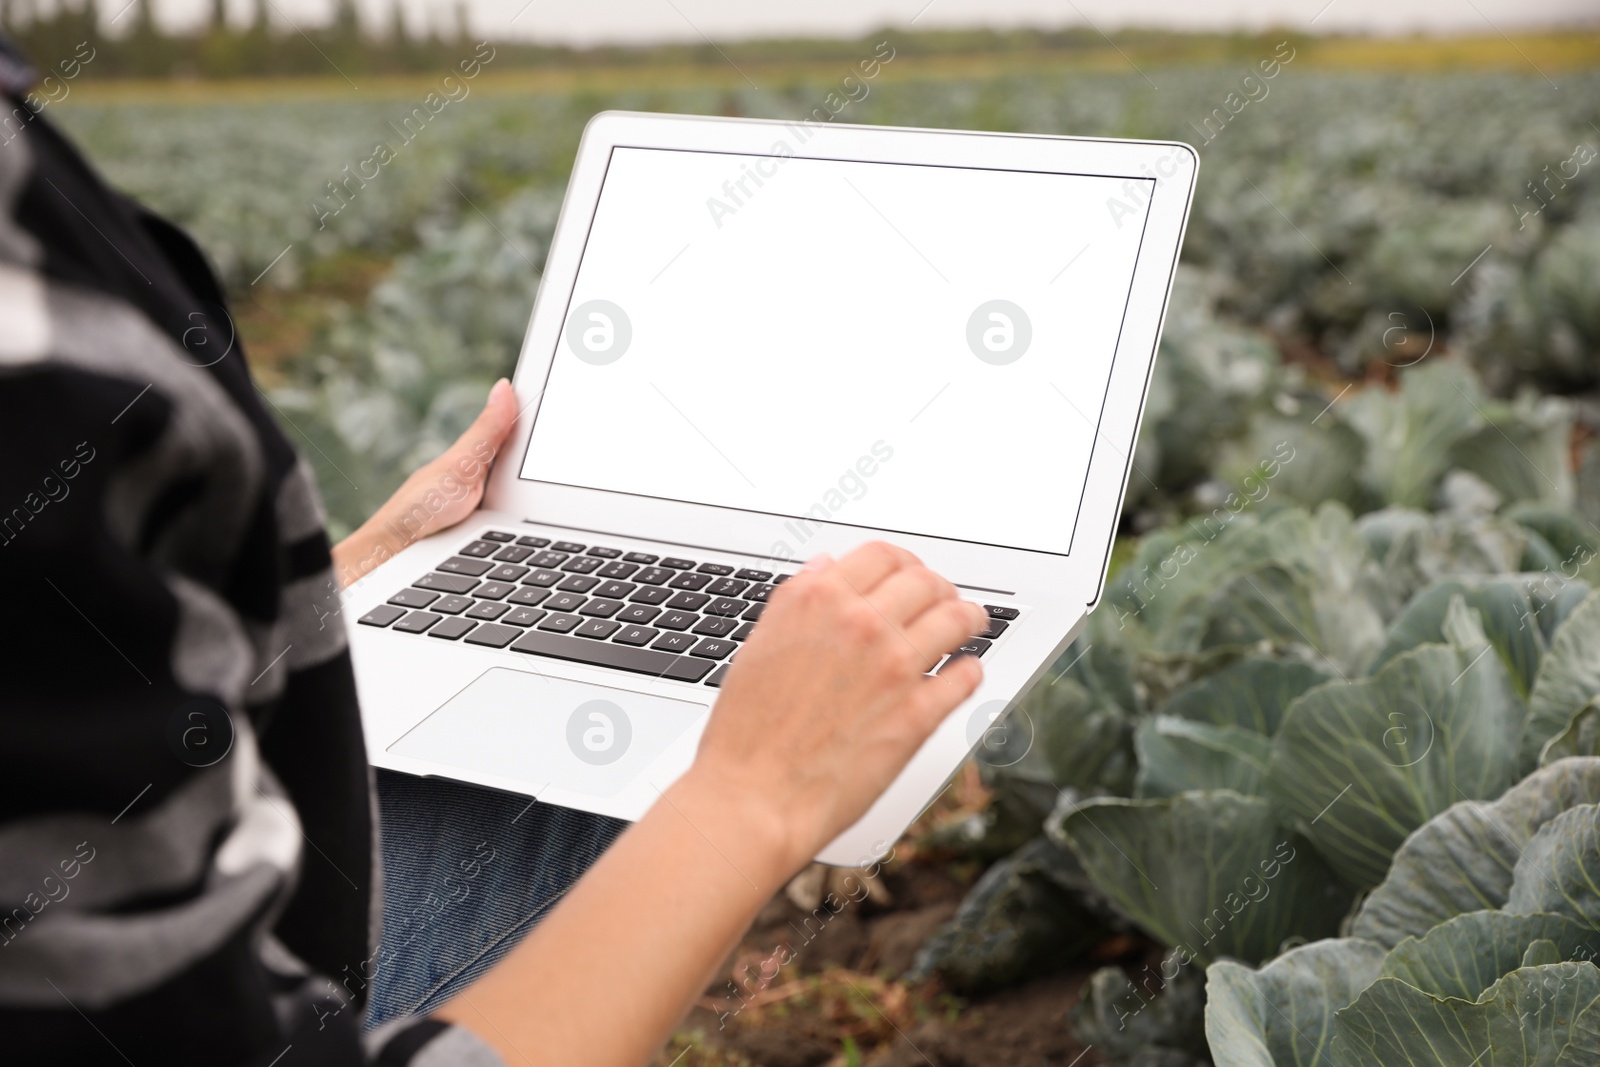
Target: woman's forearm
[604,979]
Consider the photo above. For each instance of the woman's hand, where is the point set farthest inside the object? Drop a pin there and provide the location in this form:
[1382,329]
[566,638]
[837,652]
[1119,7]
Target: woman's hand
[828,700]
[824,705]
[436,497]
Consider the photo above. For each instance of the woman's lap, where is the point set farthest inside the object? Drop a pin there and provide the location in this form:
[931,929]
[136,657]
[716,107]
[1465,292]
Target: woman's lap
[467,872]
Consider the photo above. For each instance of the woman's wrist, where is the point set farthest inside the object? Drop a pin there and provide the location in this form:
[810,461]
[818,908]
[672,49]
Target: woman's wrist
[360,553]
[764,842]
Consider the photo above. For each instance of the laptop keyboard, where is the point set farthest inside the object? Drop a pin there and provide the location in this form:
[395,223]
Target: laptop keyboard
[632,611]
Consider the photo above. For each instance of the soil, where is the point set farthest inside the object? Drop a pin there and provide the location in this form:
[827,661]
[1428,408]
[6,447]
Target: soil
[834,994]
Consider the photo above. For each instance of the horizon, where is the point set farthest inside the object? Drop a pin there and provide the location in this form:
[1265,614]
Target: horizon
[644,23]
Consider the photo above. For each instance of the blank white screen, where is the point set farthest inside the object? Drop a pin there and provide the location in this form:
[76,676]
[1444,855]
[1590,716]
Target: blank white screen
[782,331]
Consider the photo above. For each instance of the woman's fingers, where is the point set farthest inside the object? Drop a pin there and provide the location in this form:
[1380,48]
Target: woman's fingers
[483,438]
[436,496]
[466,463]
[938,696]
[901,592]
[870,564]
[944,627]
[908,592]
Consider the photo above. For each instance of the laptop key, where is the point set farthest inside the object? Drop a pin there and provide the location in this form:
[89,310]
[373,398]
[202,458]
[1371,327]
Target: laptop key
[650,594]
[493,590]
[714,568]
[686,580]
[639,613]
[653,575]
[512,554]
[743,632]
[754,612]
[565,602]
[677,620]
[452,629]
[675,642]
[560,623]
[780,579]
[599,629]
[417,622]
[636,635]
[487,609]
[711,626]
[615,590]
[578,583]
[479,549]
[582,565]
[713,648]
[522,616]
[413,598]
[541,576]
[462,565]
[617,569]
[446,583]
[567,546]
[534,542]
[640,557]
[997,612]
[717,675]
[600,608]
[498,535]
[728,606]
[611,654]
[493,635]
[548,559]
[995,628]
[506,572]
[973,646]
[452,604]
[604,553]
[689,601]
[677,563]
[759,593]
[382,615]
[753,575]
[528,596]
[727,587]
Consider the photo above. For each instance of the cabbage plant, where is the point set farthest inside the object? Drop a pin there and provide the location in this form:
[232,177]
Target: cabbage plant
[1478,947]
[1238,747]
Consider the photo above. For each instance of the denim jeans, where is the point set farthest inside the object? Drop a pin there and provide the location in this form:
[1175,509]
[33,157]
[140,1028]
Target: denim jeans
[467,872]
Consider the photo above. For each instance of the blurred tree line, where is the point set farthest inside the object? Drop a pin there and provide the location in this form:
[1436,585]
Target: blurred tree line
[129,41]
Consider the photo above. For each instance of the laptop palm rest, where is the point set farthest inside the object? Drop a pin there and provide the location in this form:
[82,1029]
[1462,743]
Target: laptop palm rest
[536,730]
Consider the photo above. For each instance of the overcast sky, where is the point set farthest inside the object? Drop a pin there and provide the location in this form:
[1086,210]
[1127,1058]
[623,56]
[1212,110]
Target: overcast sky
[597,21]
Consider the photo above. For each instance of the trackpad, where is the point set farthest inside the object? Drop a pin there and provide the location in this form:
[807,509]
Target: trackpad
[538,731]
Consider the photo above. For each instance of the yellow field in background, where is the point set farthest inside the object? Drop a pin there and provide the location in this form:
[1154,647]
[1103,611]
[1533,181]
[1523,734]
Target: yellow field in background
[1545,54]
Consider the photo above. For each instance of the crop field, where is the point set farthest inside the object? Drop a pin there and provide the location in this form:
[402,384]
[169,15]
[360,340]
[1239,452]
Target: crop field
[1321,783]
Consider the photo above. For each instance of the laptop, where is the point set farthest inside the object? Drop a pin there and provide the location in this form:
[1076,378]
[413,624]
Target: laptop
[757,341]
